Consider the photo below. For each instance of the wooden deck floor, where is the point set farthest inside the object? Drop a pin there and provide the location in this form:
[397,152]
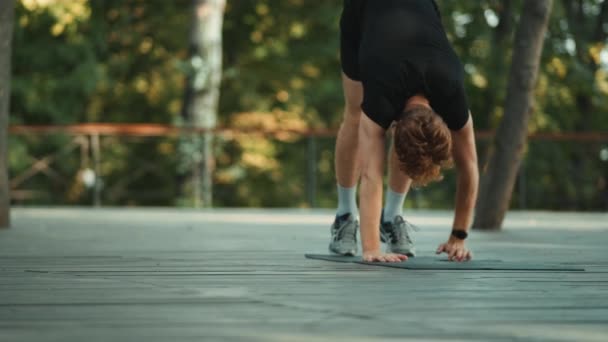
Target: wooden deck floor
[240,275]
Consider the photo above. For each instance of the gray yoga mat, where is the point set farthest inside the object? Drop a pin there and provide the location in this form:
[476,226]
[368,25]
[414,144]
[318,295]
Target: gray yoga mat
[438,263]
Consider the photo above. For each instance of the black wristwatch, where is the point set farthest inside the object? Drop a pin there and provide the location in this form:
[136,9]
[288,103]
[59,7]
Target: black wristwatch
[459,234]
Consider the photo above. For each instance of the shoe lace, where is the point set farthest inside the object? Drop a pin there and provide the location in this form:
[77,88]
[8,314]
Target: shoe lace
[402,230]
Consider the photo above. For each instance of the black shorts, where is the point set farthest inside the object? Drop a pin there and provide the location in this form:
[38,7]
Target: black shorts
[350,37]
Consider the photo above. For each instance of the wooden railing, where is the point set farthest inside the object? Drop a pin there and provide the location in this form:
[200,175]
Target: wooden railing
[87,139]
[159,130]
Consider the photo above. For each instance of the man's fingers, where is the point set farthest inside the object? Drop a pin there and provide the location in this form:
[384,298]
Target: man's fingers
[455,252]
[441,249]
[461,255]
[452,254]
[390,257]
[396,257]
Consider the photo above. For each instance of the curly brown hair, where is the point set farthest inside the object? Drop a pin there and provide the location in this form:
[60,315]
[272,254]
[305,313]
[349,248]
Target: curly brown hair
[423,144]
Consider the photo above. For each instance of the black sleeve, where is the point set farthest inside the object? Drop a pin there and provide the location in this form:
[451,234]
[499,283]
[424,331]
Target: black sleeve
[454,109]
[447,93]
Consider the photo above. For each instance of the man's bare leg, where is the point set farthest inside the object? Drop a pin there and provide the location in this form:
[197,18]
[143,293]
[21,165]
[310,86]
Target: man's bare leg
[345,227]
[398,186]
[398,182]
[394,230]
[347,147]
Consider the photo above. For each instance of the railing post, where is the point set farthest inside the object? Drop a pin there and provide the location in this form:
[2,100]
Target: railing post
[521,186]
[312,171]
[96,149]
[208,168]
[196,170]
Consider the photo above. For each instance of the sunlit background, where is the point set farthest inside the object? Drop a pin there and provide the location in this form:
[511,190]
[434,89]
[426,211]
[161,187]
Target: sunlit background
[128,61]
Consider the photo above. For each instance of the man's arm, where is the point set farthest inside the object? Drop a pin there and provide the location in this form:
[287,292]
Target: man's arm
[372,156]
[464,154]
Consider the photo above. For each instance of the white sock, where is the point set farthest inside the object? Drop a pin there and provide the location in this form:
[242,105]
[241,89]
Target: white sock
[347,201]
[393,205]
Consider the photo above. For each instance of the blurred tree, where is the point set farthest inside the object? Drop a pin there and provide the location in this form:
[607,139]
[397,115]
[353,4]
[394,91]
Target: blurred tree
[498,182]
[589,36]
[281,72]
[202,94]
[6,33]
[100,61]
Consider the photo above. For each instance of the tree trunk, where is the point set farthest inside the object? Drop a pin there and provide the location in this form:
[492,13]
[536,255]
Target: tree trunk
[498,182]
[202,93]
[6,33]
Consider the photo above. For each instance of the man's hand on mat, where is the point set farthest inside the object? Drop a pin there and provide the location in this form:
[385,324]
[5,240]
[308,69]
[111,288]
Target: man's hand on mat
[378,256]
[456,250]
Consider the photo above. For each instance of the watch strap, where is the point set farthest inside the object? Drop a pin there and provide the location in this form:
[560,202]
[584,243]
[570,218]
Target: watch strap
[459,234]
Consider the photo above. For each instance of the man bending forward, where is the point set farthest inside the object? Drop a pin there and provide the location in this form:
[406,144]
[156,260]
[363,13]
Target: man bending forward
[400,73]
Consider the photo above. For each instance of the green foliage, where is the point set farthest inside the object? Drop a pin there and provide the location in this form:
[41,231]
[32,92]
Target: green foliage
[126,61]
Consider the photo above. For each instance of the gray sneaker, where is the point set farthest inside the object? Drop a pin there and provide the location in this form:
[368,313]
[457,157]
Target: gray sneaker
[397,236]
[344,235]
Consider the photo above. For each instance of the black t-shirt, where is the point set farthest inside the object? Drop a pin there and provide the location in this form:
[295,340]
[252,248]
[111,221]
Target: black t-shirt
[403,50]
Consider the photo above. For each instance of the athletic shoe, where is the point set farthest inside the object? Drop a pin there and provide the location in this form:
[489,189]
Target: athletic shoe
[397,236]
[344,235]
